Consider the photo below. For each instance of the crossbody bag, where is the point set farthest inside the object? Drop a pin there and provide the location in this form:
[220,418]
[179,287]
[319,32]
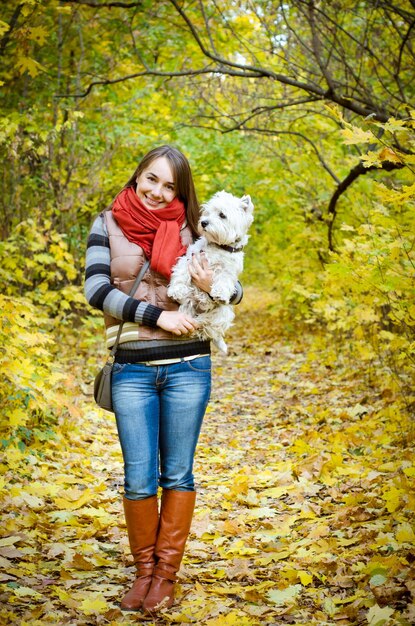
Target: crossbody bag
[103,380]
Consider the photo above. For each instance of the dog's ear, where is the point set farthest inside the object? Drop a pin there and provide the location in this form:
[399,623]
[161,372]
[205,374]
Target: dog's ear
[247,204]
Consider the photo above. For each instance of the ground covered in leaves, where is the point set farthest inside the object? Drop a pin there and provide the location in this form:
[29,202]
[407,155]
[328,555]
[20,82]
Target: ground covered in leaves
[305,503]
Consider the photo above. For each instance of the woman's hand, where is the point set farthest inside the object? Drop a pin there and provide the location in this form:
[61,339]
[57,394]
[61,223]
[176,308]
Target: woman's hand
[177,323]
[201,274]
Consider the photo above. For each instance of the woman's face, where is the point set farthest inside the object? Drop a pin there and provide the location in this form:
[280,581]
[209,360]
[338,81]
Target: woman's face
[156,184]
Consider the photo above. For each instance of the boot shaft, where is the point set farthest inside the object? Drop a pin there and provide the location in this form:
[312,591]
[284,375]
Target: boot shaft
[175,520]
[142,521]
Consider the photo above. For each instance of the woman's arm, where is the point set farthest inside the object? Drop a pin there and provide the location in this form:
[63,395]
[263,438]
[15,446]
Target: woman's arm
[99,291]
[102,295]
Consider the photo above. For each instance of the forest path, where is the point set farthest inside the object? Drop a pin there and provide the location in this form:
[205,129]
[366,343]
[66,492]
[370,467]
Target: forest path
[303,513]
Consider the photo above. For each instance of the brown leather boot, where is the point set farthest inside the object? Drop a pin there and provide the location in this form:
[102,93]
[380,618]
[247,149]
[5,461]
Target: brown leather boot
[175,520]
[142,521]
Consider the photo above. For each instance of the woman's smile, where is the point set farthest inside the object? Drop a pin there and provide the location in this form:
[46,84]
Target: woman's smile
[155,185]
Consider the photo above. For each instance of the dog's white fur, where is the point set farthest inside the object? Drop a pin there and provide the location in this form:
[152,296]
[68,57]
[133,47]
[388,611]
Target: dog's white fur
[224,221]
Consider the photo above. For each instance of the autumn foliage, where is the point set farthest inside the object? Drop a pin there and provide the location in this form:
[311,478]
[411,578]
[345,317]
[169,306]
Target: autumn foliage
[305,466]
[305,498]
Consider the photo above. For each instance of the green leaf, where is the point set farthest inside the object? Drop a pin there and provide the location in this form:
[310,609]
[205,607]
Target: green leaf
[377,580]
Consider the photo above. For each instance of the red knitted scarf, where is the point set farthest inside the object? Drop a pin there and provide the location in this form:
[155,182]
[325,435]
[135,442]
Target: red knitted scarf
[156,231]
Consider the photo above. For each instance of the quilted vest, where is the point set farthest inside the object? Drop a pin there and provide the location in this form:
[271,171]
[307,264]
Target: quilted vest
[127,259]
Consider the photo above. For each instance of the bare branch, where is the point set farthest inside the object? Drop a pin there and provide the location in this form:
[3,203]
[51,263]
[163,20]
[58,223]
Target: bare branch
[266,109]
[317,48]
[205,19]
[273,133]
[5,39]
[403,44]
[358,170]
[256,71]
[106,5]
[304,138]
[224,64]
[149,72]
[338,91]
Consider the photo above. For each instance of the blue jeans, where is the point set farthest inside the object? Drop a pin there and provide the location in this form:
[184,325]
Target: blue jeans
[159,411]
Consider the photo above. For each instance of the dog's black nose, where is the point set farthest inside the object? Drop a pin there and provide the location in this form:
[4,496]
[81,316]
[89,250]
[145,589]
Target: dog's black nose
[204,223]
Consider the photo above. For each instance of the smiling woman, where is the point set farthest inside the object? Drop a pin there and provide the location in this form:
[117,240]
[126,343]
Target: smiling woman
[155,186]
[161,375]
[170,167]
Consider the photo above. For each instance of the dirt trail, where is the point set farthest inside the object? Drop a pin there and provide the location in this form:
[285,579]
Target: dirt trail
[303,513]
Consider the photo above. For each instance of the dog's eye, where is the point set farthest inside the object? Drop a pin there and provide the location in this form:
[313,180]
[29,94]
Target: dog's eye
[222,215]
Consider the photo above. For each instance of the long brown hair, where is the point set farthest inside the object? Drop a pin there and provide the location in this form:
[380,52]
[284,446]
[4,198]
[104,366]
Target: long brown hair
[183,180]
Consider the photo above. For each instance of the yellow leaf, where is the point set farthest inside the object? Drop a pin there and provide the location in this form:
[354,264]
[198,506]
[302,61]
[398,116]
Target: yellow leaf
[79,562]
[62,503]
[305,578]
[101,561]
[240,486]
[25,592]
[32,501]
[66,598]
[392,498]
[94,605]
[284,596]
[356,135]
[386,154]
[3,28]
[405,533]
[260,513]
[277,492]
[37,488]
[38,34]
[371,158]
[393,125]
[238,547]
[18,417]
[25,64]
[227,590]
[377,616]
[234,618]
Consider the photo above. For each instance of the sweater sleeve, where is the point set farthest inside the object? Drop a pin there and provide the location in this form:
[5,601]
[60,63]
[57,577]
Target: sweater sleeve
[99,291]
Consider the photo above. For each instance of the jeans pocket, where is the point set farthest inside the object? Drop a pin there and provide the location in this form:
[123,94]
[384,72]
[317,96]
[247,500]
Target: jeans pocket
[201,364]
[117,368]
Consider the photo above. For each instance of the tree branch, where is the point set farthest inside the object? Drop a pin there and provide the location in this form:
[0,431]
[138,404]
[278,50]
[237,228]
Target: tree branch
[317,48]
[224,66]
[345,102]
[148,72]
[5,39]
[404,40]
[267,109]
[205,19]
[106,5]
[358,170]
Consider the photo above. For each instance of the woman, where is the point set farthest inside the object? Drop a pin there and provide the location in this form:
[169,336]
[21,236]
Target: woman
[161,376]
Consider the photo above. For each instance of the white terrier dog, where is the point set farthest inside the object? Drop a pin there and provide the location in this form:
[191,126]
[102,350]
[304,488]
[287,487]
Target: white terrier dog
[223,226]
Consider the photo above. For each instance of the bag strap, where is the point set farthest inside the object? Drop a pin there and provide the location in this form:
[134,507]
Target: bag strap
[131,293]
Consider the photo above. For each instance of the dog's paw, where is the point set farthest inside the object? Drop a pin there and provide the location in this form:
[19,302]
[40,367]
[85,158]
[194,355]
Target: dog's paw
[220,294]
[179,293]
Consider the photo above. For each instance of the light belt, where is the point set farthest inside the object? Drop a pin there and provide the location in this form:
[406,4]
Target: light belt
[170,361]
